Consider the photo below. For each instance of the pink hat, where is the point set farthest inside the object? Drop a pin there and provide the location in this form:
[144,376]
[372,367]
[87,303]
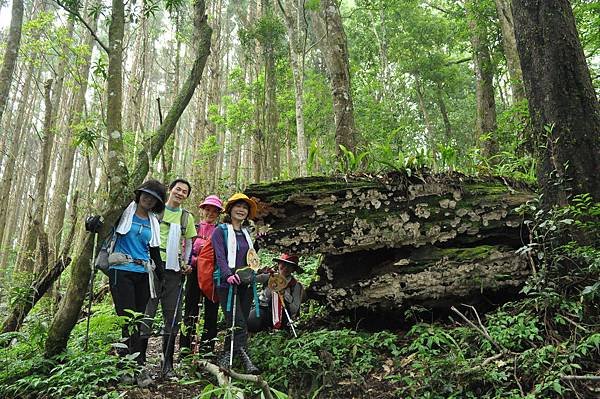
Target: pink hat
[212,200]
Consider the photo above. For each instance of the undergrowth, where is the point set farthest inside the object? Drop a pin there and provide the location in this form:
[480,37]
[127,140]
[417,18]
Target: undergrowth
[77,373]
[546,345]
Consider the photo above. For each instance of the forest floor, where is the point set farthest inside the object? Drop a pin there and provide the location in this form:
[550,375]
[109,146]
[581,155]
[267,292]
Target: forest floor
[161,388]
[374,385]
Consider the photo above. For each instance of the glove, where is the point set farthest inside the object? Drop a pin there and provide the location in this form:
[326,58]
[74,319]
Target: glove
[234,279]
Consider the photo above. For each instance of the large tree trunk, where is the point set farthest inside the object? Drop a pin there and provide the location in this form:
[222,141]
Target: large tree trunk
[67,315]
[562,102]
[509,43]
[334,46]
[13,44]
[484,77]
[394,241]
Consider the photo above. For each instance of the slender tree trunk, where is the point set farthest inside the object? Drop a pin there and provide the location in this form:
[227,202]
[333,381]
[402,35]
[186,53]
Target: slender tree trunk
[13,44]
[198,168]
[484,76]
[293,16]
[17,139]
[66,167]
[509,43]
[29,261]
[562,103]
[335,51]
[271,112]
[442,105]
[429,130]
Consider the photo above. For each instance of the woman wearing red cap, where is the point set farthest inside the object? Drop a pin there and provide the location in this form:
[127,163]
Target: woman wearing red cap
[286,292]
[211,207]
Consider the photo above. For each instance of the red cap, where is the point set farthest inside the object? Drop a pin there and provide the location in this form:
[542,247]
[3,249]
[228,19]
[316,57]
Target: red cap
[291,260]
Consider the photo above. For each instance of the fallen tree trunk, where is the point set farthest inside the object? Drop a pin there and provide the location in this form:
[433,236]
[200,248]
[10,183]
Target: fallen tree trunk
[393,241]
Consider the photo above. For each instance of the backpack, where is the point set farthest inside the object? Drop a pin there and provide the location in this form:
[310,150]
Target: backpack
[208,274]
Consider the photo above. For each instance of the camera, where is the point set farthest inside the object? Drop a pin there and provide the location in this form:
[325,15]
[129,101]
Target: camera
[94,223]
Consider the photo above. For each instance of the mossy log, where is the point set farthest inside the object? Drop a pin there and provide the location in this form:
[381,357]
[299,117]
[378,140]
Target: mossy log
[392,241]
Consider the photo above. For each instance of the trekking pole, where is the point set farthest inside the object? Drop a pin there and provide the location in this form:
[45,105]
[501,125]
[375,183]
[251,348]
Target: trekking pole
[288,315]
[172,326]
[91,291]
[233,326]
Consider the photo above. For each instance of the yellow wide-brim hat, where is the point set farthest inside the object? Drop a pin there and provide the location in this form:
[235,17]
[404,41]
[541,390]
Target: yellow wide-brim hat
[241,197]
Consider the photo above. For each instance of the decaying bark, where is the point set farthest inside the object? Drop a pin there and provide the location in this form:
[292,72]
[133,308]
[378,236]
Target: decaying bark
[393,241]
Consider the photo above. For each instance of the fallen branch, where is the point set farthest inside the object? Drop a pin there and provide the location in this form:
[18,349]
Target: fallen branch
[223,377]
[580,377]
[481,329]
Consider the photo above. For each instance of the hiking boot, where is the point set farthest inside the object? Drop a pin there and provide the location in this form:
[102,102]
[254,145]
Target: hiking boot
[223,361]
[141,359]
[167,364]
[144,379]
[127,379]
[247,362]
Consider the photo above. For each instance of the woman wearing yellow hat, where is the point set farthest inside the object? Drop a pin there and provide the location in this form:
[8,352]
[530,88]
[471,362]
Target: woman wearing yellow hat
[234,251]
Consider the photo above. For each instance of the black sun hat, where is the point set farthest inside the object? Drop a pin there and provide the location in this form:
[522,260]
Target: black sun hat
[155,189]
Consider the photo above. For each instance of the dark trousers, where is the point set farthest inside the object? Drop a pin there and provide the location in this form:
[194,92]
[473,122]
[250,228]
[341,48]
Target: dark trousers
[170,298]
[130,291]
[262,323]
[243,303]
[193,295]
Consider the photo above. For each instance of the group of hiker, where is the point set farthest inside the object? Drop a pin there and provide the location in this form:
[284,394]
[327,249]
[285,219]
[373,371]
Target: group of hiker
[157,258]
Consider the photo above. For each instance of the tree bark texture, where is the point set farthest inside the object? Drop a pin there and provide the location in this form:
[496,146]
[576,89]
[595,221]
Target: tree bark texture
[562,103]
[393,241]
[509,44]
[117,169]
[29,261]
[335,52]
[18,136]
[13,44]
[293,13]
[484,77]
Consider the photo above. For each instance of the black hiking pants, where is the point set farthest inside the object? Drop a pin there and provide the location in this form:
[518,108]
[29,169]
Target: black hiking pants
[193,296]
[243,303]
[130,291]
